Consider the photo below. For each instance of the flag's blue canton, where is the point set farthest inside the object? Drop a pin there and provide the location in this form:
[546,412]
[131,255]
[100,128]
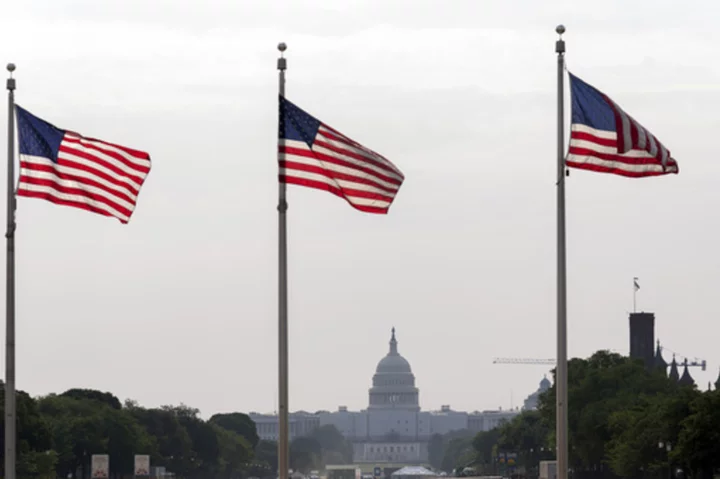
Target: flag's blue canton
[296,124]
[589,106]
[37,137]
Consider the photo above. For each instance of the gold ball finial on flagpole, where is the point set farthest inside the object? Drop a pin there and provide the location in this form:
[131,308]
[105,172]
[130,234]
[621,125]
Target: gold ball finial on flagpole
[560,29]
[10,84]
[282,63]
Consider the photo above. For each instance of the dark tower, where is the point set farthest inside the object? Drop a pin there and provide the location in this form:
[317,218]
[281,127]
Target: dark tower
[642,338]
[674,374]
[686,379]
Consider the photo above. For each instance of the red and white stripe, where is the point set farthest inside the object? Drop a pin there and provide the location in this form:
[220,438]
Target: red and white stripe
[367,180]
[632,135]
[597,150]
[89,174]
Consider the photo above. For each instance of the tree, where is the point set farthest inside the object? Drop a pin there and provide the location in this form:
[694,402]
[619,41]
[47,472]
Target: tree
[235,453]
[698,446]
[94,395]
[34,439]
[205,446]
[77,431]
[334,448]
[58,434]
[266,456]
[172,444]
[82,425]
[603,384]
[619,413]
[305,454]
[240,424]
[484,443]
[37,464]
[125,438]
[458,453]
[526,435]
[638,431]
[436,450]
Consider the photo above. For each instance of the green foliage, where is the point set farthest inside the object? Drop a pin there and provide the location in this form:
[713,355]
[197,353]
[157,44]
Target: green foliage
[240,424]
[484,444]
[235,452]
[600,386]
[698,445]
[334,448]
[459,452]
[33,435]
[104,397]
[324,445]
[527,436]
[58,434]
[619,416]
[172,446]
[638,431]
[451,451]
[266,457]
[305,454]
[436,450]
[37,464]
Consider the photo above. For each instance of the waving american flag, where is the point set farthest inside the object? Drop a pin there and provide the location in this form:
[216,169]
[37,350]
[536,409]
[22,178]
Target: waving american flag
[605,138]
[312,154]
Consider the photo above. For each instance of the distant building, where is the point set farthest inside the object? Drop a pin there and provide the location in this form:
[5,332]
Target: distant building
[643,347]
[686,379]
[642,338]
[393,429]
[674,374]
[532,400]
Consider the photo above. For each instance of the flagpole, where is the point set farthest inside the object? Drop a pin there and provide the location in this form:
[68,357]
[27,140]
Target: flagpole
[283,430]
[635,289]
[561,371]
[10,417]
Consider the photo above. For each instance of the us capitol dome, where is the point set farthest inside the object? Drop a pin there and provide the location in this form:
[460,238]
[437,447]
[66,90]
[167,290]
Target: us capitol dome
[393,384]
[393,429]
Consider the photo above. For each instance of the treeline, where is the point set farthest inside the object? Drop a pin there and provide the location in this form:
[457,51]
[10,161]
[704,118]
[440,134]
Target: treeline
[58,434]
[324,445]
[624,422]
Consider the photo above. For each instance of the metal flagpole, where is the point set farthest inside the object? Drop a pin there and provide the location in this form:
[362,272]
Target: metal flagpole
[561,371]
[283,430]
[10,424]
[635,290]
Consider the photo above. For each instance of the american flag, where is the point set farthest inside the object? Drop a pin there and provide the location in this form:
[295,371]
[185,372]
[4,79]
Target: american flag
[68,169]
[315,155]
[604,138]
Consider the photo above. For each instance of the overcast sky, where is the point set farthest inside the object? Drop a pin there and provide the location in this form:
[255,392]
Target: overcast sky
[181,304]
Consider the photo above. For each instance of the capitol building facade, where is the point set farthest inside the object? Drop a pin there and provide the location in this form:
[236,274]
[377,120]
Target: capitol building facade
[393,428]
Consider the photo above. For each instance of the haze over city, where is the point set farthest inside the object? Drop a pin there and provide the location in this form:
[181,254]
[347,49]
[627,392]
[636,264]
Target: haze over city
[180,305]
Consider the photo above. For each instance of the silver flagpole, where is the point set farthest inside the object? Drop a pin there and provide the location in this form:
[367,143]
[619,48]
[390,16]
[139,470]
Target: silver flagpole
[283,430]
[562,363]
[10,417]
[635,290]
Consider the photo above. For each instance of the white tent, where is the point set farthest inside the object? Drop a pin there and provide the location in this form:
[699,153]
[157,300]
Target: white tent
[413,472]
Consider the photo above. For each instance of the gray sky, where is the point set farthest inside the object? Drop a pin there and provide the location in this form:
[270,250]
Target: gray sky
[180,305]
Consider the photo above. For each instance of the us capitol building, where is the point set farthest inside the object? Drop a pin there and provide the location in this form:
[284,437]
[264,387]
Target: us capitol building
[393,428]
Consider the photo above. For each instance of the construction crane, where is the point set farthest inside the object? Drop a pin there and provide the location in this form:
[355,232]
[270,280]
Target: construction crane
[695,362]
[701,363]
[543,362]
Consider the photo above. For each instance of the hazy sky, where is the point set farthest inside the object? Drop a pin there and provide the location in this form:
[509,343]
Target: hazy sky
[181,304]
